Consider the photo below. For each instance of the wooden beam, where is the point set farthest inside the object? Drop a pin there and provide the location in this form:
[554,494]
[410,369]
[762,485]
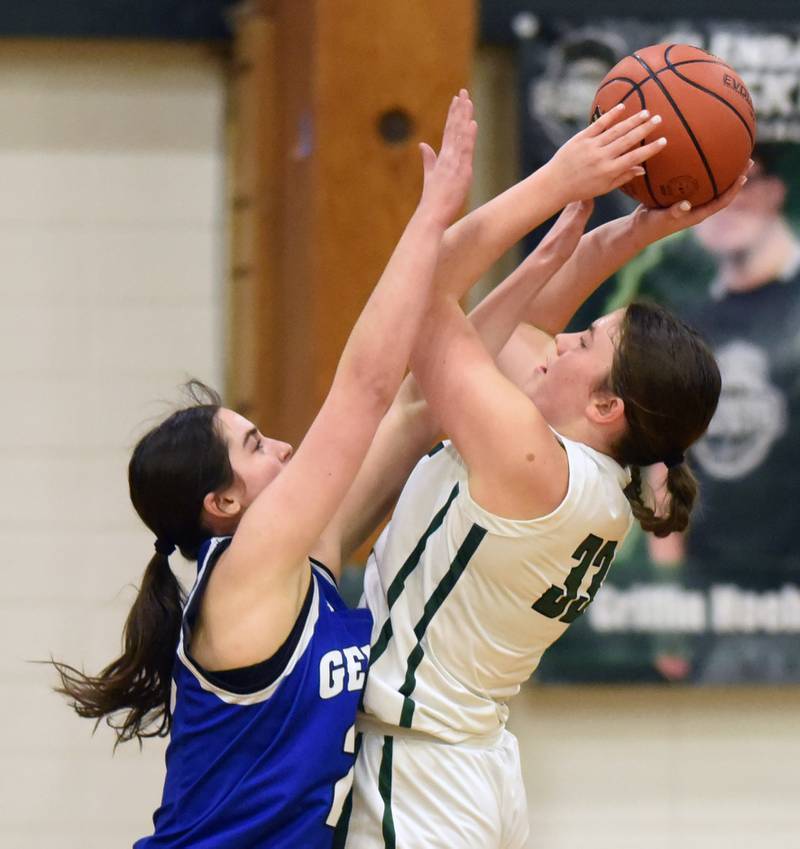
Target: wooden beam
[254,304]
[365,83]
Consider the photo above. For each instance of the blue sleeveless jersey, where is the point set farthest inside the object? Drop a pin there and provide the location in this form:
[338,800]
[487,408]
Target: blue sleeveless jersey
[262,757]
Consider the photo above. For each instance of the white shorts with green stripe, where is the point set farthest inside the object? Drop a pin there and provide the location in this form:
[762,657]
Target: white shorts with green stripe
[413,792]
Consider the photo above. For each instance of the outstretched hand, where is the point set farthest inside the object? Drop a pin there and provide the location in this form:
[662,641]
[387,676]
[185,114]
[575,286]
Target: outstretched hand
[561,240]
[655,224]
[605,155]
[447,177]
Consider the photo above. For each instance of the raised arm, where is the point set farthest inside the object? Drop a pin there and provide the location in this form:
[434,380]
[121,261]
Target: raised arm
[602,157]
[258,585]
[595,160]
[516,467]
[410,426]
[600,253]
[607,248]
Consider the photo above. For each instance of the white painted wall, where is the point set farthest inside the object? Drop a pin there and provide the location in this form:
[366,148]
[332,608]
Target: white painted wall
[660,768]
[112,267]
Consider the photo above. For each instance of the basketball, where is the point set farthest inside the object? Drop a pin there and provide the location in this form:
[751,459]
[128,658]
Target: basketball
[707,118]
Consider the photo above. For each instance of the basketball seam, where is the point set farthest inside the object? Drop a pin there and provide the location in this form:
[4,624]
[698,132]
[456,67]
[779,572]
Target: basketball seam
[692,62]
[637,87]
[683,121]
[708,91]
[634,84]
[667,67]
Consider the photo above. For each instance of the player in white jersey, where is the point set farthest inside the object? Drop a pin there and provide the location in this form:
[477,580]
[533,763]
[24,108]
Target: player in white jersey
[503,536]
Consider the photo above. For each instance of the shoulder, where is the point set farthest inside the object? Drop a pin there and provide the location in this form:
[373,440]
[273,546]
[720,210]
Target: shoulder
[588,466]
[598,484]
[324,623]
[527,479]
[442,463]
[593,489]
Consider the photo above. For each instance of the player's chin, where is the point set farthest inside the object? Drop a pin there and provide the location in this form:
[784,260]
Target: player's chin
[537,389]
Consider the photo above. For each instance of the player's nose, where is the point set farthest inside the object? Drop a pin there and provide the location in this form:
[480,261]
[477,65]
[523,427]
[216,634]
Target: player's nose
[563,342]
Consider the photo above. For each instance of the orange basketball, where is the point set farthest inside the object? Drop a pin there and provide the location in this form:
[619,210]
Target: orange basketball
[707,117]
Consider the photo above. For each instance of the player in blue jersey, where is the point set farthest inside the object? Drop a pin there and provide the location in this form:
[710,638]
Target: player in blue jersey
[257,678]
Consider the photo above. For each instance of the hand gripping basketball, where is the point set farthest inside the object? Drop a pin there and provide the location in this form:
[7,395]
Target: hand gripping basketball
[707,114]
[651,224]
[606,155]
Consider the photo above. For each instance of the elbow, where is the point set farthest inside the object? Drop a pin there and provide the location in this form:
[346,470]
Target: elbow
[379,394]
[375,387]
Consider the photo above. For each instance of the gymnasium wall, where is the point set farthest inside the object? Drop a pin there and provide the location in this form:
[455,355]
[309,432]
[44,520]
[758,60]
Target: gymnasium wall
[113,258]
[112,261]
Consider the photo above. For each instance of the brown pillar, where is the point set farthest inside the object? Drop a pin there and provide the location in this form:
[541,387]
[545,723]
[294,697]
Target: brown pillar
[330,100]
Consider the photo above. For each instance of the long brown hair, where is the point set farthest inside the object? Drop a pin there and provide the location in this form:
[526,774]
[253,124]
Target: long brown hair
[172,468]
[670,384]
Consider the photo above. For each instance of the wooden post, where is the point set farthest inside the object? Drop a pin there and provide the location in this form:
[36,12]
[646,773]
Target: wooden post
[255,199]
[331,99]
[378,79]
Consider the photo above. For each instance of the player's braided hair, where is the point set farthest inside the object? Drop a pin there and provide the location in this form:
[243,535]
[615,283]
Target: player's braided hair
[669,382]
[172,468]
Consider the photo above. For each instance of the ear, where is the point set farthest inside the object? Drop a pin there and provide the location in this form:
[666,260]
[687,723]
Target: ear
[222,505]
[605,408]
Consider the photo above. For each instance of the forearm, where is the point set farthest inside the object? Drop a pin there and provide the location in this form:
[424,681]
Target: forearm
[600,253]
[411,425]
[403,437]
[474,243]
[598,159]
[500,312]
[494,320]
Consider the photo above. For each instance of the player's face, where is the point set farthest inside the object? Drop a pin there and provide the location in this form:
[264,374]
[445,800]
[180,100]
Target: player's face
[577,365]
[256,460]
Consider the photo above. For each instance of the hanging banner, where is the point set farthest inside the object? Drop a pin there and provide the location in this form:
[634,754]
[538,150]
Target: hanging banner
[720,604]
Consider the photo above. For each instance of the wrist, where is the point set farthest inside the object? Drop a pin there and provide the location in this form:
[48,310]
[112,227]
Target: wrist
[654,224]
[551,180]
[429,218]
[640,230]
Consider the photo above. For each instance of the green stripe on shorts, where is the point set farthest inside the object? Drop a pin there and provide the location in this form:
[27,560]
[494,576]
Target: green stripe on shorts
[385,789]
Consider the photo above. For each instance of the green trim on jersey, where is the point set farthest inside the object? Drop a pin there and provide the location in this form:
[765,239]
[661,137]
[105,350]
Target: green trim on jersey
[385,789]
[398,584]
[438,597]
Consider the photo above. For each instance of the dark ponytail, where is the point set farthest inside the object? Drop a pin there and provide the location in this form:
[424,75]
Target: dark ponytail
[670,384]
[681,487]
[171,470]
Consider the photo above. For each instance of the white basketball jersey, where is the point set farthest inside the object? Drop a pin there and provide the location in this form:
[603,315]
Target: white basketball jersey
[465,602]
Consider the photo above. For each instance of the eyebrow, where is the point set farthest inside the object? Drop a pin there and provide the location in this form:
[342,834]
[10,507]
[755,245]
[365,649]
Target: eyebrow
[250,433]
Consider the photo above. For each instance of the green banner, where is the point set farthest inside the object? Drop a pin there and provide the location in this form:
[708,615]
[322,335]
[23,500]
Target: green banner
[720,604]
